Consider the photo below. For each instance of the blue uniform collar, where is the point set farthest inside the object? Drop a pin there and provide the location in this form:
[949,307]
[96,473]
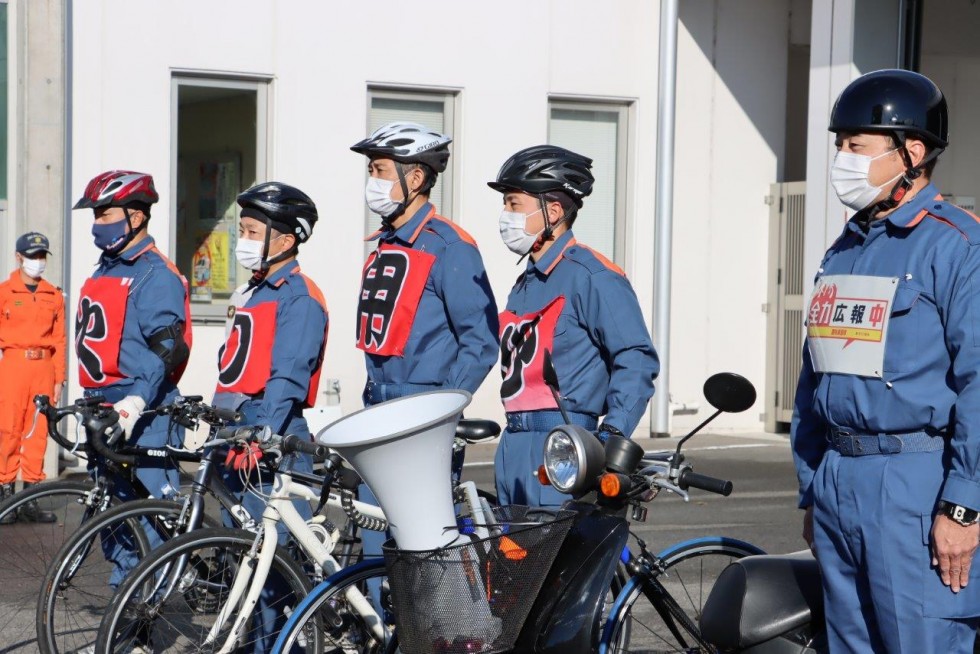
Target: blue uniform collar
[276,279]
[131,254]
[547,263]
[909,214]
[408,232]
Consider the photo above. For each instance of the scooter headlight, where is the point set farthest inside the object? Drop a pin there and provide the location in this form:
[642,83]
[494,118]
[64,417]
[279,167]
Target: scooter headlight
[573,459]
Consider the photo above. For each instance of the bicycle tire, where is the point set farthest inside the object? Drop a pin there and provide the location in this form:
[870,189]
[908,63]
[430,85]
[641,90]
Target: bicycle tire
[312,614]
[670,623]
[76,590]
[28,548]
[181,619]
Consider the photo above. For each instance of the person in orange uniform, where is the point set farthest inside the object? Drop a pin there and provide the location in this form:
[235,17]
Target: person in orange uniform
[32,341]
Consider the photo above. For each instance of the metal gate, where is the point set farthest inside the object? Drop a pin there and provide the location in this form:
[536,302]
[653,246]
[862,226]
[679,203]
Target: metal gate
[784,328]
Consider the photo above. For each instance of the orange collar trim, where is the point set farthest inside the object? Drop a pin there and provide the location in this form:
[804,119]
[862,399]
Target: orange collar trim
[561,254]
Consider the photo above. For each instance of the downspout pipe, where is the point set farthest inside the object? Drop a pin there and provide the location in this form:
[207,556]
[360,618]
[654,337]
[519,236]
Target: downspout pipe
[660,424]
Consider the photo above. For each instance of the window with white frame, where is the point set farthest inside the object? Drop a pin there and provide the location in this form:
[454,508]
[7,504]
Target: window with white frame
[433,109]
[218,150]
[600,131]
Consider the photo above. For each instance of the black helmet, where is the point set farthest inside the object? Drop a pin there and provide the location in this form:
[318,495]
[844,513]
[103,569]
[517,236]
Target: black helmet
[407,143]
[898,101]
[283,207]
[546,168]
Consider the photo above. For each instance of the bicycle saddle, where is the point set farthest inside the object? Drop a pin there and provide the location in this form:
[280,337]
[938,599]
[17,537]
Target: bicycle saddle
[758,598]
[476,431]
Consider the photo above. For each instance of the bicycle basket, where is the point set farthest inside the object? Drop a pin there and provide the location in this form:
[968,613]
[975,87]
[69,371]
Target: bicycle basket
[475,597]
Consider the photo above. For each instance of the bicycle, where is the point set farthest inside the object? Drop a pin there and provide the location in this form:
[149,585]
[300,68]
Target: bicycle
[30,547]
[79,583]
[672,582]
[152,605]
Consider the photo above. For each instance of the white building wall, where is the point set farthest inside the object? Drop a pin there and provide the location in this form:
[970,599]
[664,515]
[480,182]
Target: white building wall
[730,129]
[505,58]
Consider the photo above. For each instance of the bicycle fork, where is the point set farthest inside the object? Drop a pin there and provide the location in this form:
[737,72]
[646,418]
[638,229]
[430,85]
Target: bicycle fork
[250,568]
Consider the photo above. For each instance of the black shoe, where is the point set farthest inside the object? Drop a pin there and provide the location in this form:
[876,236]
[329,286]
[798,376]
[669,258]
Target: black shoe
[31,512]
[6,490]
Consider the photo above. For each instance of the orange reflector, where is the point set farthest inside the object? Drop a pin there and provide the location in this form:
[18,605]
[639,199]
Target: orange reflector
[609,485]
[543,477]
[512,551]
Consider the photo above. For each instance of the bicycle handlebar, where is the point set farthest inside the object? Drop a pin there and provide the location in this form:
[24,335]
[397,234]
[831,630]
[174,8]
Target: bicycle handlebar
[690,479]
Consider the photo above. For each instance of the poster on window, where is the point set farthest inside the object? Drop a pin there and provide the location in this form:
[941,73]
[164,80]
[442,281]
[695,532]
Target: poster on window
[218,190]
[210,267]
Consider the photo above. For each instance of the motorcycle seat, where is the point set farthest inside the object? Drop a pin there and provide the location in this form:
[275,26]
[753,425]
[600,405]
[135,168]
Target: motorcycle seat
[758,598]
[475,431]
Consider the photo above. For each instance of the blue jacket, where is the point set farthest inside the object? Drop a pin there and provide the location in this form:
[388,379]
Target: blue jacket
[156,300]
[297,349]
[602,353]
[453,339]
[931,369]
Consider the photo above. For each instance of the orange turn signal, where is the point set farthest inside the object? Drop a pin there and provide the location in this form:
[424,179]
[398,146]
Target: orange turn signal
[609,485]
[543,477]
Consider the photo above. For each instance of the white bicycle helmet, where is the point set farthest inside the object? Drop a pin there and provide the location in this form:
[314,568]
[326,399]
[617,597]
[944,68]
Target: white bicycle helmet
[407,143]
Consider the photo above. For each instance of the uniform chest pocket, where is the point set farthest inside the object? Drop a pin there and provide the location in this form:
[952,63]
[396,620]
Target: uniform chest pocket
[903,340]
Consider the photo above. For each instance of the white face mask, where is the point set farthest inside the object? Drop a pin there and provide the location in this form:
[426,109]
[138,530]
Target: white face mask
[849,175]
[377,194]
[514,234]
[249,253]
[34,268]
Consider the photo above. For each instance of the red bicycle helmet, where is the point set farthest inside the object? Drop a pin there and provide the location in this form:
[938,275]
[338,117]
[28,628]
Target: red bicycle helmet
[118,188]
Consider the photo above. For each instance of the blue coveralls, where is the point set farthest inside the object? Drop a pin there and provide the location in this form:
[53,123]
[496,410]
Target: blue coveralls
[297,354]
[601,351]
[156,301]
[874,454]
[453,339]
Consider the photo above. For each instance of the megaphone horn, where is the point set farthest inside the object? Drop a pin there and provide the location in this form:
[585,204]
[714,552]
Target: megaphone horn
[402,449]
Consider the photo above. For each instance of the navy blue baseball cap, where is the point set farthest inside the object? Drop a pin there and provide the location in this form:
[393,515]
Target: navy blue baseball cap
[32,243]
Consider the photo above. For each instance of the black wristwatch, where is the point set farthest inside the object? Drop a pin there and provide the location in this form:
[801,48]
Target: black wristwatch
[958,514]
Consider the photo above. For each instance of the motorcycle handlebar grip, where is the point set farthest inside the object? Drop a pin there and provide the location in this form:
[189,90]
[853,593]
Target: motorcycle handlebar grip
[689,478]
[296,444]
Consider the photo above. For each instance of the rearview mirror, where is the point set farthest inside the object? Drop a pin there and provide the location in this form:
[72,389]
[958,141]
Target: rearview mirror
[729,392]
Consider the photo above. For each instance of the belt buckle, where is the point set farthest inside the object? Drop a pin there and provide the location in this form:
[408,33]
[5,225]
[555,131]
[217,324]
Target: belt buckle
[33,354]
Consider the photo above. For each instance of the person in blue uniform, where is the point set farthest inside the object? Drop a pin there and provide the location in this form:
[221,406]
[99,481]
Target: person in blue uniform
[572,301]
[269,367]
[426,317]
[886,426]
[132,329]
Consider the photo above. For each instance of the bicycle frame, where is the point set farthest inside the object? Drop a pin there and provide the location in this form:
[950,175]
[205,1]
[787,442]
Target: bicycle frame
[248,584]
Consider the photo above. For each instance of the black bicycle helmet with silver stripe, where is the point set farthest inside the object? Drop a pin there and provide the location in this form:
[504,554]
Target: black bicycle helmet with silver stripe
[546,168]
[285,208]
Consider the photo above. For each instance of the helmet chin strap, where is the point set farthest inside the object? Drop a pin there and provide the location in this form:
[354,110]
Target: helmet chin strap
[906,181]
[131,234]
[388,221]
[269,262]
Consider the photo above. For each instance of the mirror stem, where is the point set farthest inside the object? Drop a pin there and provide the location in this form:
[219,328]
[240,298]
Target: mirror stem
[694,431]
[561,405]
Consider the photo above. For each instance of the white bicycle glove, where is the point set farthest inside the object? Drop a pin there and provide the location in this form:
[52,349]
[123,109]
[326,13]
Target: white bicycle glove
[129,409]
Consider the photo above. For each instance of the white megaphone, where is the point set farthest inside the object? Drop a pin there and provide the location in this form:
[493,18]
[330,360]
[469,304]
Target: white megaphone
[402,449]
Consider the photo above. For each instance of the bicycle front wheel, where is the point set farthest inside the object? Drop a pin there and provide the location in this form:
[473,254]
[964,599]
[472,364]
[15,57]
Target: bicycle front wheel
[86,571]
[660,612]
[28,547]
[175,599]
[330,610]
